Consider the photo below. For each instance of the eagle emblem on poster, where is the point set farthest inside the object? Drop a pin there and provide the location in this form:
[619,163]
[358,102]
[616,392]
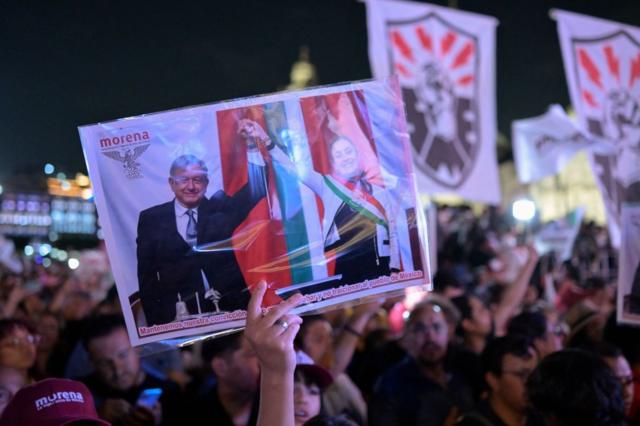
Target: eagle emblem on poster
[438,67]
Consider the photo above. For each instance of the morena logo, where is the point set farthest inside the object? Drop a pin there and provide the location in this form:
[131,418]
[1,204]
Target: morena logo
[57,398]
[114,141]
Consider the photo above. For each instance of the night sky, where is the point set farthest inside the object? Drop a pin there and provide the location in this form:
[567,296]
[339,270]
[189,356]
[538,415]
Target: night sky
[68,63]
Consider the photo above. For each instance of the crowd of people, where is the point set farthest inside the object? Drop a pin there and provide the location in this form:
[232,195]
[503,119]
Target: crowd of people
[508,336]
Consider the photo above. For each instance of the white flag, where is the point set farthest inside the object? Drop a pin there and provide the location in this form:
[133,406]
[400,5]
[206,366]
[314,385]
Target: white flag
[558,236]
[602,65]
[445,60]
[543,145]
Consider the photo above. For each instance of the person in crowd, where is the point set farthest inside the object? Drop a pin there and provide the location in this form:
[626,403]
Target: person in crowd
[310,381]
[233,397]
[11,381]
[118,380]
[52,402]
[18,345]
[429,385]
[547,337]
[627,338]
[316,339]
[479,323]
[476,324]
[614,358]
[575,387]
[507,363]
[48,328]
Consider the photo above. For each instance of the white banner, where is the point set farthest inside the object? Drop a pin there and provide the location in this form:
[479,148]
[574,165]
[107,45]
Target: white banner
[602,65]
[445,60]
[543,145]
[629,266]
[559,235]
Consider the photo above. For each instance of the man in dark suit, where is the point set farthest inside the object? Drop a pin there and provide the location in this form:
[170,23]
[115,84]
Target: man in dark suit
[175,259]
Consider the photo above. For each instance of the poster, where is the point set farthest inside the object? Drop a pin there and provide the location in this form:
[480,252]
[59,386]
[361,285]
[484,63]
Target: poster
[558,236]
[602,65]
[311,191]
[445,61]
[629,265]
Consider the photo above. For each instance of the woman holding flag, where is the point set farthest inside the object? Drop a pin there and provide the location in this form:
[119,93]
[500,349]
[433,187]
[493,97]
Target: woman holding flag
[358,222]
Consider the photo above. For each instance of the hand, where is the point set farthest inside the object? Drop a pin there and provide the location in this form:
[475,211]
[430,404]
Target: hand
[144,416]
[253,133]
[272,342]
[113,410]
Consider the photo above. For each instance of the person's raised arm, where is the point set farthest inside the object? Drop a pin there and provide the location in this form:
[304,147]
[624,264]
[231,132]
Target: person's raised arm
[514,293]
[346,342]
[271,335]
[255,134]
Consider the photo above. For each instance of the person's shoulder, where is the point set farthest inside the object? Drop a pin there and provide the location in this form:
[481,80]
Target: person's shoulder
[399,373]
[481,415]
[157,210]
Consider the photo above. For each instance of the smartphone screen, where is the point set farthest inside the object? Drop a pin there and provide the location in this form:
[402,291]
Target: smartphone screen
[149,397]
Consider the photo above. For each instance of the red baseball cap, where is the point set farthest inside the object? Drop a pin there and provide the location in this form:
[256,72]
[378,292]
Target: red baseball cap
[319,374]
[52,402]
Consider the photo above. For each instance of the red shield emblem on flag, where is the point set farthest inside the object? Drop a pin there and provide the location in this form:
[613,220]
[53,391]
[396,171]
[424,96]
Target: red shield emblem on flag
[607,73]
[437,64]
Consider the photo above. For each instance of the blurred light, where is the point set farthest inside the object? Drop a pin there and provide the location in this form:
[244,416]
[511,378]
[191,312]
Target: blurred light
[87,193]
[44,249]
[82,180]
[28,250]
[49,169]
[405,315]
[523,210]
[38,260]
[61,176]
[62,255]
[53,236]
[100,234]
[73,263]
[46,262]
[1,189]
[65,185]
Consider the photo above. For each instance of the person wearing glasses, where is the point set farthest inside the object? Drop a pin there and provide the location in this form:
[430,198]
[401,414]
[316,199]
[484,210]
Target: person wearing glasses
[434,383]
[507,363]
[175,264]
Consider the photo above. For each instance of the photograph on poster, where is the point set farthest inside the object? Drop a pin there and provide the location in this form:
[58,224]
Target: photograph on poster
[311,191]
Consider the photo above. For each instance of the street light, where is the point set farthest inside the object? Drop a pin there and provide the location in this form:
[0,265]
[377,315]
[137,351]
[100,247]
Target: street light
[523,210]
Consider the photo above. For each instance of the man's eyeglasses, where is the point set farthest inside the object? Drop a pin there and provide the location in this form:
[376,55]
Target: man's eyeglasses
[626,380]
[14,342]
[183,180]
[424,329]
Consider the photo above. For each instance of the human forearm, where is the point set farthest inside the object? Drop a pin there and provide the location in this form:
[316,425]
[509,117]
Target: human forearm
[514,294]
[276,399]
